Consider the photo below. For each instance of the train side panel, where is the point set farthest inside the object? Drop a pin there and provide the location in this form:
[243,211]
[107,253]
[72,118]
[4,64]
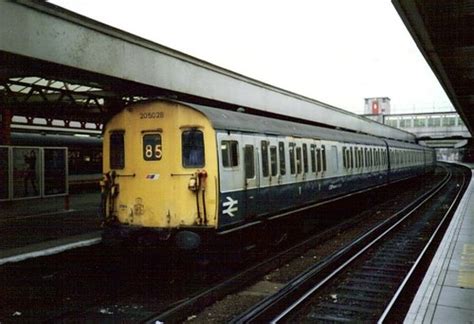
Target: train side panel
[264,176]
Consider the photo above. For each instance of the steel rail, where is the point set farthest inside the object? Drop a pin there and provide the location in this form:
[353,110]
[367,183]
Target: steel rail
[178,311]
[429,245]
[267,309]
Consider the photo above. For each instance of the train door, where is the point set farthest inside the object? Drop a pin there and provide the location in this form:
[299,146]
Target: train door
[264,175]
[251,180]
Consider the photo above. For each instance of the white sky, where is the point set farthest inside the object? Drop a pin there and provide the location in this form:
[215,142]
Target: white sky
[335,51]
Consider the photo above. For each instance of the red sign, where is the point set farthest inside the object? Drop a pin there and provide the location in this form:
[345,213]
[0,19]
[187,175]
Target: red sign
[375,108]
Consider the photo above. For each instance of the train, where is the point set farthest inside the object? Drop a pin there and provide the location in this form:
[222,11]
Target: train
[84,156]
[186,175]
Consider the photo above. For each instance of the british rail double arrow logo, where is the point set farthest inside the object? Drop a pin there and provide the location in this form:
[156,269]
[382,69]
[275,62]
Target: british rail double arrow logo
[230,203]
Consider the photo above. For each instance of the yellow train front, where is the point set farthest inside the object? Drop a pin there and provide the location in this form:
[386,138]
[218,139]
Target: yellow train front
[160,181]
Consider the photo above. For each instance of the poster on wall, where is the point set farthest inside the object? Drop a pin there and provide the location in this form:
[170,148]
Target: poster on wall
[4,178]
[26,172]
[55,171]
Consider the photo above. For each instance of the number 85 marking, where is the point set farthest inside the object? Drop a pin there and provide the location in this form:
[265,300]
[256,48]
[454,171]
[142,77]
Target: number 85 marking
[153,153]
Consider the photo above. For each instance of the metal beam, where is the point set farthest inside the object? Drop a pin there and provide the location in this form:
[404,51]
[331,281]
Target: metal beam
[442,30]
[51,34]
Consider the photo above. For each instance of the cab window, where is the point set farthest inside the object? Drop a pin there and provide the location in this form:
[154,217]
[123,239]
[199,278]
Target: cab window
[117,150]
[192,148]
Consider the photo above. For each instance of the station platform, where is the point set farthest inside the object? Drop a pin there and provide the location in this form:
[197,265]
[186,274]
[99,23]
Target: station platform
[446,294]
[38,227]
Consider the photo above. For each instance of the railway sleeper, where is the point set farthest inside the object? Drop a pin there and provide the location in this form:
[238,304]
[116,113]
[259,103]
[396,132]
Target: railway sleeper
[403,267]
[362,298]
[396,261]
[396,249]
[371,282]
[346,307]
[363,289]
[374,275]
[329,318]
[382,269]
[348,300]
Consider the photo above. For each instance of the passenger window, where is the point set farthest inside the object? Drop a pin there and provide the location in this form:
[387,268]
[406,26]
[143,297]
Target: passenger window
[264,147]
[230,153]
[152,150]
[344,157]
[273,161]
[249,162]
[281,148]
[356,157]
[313,157]
[192,142]
[117,150]
[335,156]
[298,160]
[318,158]
[351,157]
[323,151]
[305,158]
[292,158]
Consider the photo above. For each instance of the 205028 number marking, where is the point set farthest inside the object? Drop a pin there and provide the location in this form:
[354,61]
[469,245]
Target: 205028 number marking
[152,115]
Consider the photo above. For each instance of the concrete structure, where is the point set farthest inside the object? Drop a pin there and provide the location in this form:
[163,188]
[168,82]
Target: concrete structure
[442,30]
[43,40]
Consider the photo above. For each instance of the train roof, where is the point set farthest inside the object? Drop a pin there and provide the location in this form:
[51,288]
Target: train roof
[239,121]
[404,145]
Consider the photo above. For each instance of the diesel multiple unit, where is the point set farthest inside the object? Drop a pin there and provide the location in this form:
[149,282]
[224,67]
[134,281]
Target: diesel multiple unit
[188,174]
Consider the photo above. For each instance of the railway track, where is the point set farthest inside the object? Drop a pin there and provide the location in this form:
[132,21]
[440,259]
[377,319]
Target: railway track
[142,292]
[367,280]
[197,303]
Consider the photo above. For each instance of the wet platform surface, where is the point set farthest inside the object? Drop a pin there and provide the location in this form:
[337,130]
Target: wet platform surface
[446,294]
[33,227]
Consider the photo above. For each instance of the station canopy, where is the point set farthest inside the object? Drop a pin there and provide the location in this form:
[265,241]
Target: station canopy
[58,65]
[444,33]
